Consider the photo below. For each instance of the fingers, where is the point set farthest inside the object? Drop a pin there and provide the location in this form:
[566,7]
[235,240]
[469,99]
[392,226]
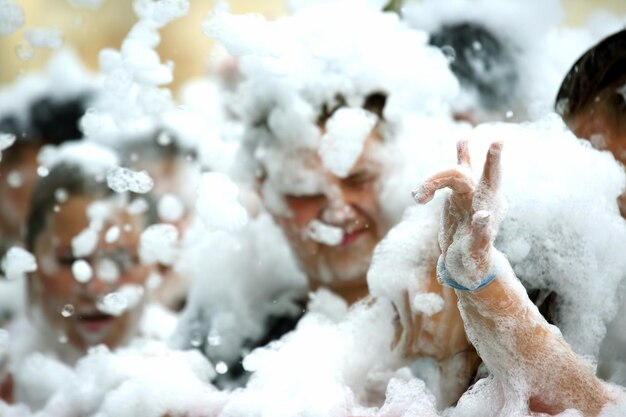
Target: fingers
[462,153]
[492,171]
[481,238]
[458,181]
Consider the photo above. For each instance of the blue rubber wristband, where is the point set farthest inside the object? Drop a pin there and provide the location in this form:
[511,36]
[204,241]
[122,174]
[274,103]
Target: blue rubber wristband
[445,279]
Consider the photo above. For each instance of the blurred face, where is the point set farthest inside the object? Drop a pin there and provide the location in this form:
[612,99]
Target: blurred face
[599,125]
[74,306]
[18,174]
[334,225]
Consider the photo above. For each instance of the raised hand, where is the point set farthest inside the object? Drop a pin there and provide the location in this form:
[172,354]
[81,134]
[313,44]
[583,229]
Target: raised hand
[471,217]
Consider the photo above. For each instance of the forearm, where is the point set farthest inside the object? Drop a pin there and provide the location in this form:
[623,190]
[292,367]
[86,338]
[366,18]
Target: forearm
[517,344]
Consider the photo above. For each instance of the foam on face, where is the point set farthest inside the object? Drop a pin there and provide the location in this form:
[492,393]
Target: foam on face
[343,141]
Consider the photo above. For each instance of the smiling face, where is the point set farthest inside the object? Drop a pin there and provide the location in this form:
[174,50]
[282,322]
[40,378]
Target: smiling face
[56,291]
[348,209]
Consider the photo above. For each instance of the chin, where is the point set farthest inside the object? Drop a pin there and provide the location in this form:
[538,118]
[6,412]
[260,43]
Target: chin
[342,271]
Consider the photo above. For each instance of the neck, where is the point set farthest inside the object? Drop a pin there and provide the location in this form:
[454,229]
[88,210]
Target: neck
[351,291]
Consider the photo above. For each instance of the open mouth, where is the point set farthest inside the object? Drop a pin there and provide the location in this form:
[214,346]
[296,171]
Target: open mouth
[94,321]
[349,237]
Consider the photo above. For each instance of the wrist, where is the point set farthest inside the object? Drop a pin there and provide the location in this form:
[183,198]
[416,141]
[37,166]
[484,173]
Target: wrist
[444,278]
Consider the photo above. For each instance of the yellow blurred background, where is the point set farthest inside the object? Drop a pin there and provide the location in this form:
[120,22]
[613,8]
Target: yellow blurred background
[183,42]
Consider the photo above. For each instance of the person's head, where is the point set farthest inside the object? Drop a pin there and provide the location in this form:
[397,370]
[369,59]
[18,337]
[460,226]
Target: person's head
[592,98]
[85,239]
[49,121]
[318,128]
[485,68]
[331,216]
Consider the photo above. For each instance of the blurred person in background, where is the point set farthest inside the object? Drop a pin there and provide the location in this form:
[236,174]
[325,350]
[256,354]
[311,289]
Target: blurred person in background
[90,283]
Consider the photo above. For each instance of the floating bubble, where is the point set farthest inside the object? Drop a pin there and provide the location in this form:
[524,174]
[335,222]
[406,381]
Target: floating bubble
[82,271]
[214,340]
[61,195]
[123,179]
[170,208]
[118,302]
[221,368]
[6,140]
[24,51]
[15,179]
[112,234]
[42,171]
[67,310]
[164,139]
[195,339]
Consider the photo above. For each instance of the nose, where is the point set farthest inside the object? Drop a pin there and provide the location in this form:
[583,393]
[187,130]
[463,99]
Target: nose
[338,210]
[96,287]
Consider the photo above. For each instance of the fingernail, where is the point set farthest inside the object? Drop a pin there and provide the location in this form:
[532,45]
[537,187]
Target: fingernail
[420,194]
[496,147]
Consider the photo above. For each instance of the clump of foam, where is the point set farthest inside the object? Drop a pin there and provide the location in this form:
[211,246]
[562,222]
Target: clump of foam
[17,262]
[122,179]
[144,379]
[159,244]
[64,78]
[428,303]
[218,205]
[133,101]
[85,242]
[324,233]
[170,208]
[124,298]
[11,17]
[254,277]
[6,140]
[94,159]
[343,141]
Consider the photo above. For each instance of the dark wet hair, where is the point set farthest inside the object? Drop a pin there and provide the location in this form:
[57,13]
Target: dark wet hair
[480,61]
[75,181]
[374,102]
[148,148]
[48,120]
[598,68]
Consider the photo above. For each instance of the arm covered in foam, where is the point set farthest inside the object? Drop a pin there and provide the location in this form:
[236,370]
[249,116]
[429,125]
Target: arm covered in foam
[525,353]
